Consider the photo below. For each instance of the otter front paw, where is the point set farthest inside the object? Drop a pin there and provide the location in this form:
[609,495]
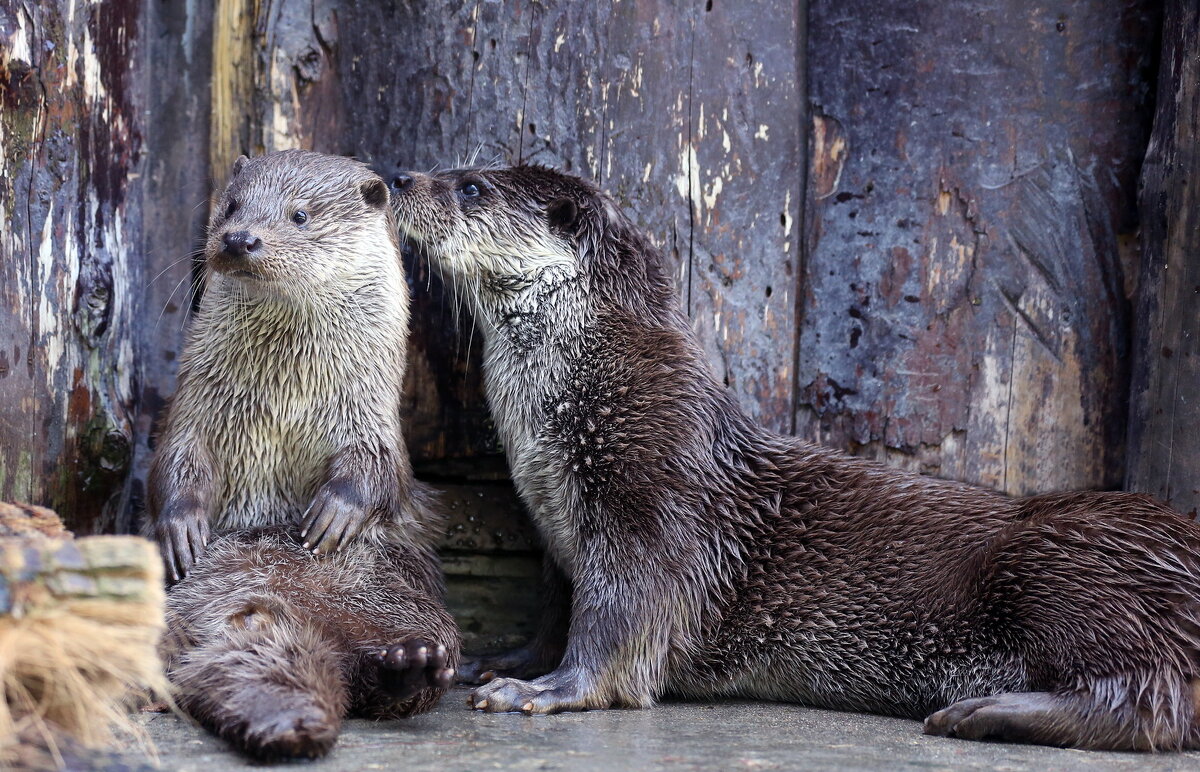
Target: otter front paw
[556,692]
[337,514]
[407,668]
[182,536]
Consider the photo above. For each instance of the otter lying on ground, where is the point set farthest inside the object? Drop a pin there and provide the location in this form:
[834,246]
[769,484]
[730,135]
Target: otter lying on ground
[709,557]
[286,419]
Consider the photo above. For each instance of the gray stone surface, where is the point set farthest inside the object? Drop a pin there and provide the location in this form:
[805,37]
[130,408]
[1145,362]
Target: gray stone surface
[672,736]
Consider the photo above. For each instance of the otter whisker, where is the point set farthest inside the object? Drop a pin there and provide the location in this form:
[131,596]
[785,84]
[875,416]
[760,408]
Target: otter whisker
[167,302]
[190,256]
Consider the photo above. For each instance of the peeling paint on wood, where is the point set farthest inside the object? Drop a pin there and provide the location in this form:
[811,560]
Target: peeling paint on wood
[71,133]
[964,307]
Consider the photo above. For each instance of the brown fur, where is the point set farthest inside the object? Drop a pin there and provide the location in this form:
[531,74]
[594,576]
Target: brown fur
[710,557]
[269,646]
[319,593]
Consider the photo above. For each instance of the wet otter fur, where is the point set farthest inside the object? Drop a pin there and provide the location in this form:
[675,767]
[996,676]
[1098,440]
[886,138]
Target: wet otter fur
[269,647]
[709,557]
[288,403]
[281,495]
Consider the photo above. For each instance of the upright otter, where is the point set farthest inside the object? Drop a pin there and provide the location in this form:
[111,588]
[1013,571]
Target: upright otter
[710,557]
[320,591]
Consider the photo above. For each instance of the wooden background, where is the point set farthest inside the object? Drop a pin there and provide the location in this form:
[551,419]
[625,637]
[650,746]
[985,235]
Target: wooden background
[909,230]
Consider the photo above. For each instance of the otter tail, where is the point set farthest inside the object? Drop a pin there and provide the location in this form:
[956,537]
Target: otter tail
[271,685]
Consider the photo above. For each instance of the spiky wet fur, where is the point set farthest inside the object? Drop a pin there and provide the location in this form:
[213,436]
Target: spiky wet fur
[290,395]
[711,557]
[269,647]
[294,380]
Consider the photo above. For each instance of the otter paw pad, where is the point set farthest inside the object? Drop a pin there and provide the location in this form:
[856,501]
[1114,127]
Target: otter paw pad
[407,668]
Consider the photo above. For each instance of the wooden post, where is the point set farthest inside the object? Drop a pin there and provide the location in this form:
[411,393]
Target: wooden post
[1164,441]
[72,138]
[971,189]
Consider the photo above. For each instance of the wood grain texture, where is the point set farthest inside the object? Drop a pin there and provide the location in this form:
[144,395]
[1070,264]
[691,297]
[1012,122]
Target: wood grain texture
[176,183]
[73,154]
[1164,445]
[971,180]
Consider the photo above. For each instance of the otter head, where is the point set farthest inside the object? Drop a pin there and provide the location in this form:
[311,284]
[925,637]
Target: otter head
[516,236]
[292,221]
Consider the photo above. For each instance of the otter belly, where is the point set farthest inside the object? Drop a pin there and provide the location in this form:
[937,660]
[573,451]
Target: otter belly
[271,462]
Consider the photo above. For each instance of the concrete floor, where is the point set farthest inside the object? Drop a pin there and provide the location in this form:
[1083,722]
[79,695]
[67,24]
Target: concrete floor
[672,736]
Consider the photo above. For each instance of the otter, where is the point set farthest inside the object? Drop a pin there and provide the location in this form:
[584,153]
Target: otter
[301,549]
[269,647]
[708,557]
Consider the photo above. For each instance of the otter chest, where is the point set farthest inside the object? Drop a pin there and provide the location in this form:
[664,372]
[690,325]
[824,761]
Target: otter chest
[544,415]
[282,406]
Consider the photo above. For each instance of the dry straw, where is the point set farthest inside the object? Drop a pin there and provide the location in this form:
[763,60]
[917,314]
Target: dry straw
[80,622]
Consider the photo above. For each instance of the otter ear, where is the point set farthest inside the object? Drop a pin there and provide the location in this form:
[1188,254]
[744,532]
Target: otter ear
[562,214]
[375,193]
[239,164]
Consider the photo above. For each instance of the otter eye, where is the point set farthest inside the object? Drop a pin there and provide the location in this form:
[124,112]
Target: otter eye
[469,190]
[300,217]
[229,210]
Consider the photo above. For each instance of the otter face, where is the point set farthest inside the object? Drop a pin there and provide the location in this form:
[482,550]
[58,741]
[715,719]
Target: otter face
[503,231]
[292,221]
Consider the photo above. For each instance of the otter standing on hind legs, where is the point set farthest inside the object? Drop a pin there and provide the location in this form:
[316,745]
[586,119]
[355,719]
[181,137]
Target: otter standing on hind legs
[784,570]
[320,591]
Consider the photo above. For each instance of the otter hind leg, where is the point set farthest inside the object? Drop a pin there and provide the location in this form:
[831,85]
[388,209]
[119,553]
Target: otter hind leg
[407,668]
[1033,717]
[1107,716]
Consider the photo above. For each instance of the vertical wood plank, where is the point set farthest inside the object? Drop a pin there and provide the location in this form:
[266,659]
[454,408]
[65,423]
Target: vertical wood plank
[176,182]
[72,137]
[971,183]
[1164,446]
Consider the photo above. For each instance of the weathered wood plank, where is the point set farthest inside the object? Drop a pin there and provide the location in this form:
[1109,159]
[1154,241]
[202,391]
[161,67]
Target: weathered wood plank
[72,136]
[1164,446]
[745,185]
[176,183]
[971,181]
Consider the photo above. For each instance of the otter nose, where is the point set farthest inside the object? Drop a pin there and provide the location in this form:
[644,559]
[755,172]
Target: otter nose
[241,243]
[402,182]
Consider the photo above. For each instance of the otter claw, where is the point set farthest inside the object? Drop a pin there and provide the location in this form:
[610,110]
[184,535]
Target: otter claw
[481,705]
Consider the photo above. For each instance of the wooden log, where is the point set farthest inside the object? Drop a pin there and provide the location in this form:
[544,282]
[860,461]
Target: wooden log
[71,135]
[971,187]
[1164,446]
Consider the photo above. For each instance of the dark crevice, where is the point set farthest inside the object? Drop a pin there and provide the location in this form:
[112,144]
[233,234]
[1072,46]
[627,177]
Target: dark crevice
[467,154]
[525,85]
[800,224]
